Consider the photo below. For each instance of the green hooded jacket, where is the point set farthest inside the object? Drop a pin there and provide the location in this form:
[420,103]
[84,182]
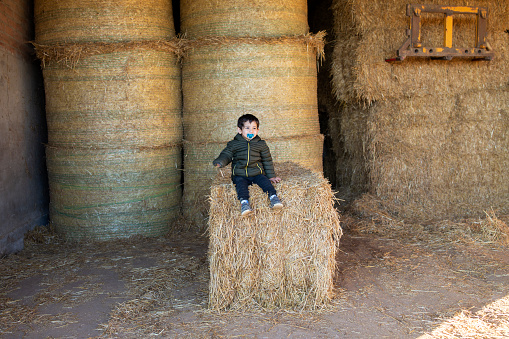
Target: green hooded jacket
[248,158]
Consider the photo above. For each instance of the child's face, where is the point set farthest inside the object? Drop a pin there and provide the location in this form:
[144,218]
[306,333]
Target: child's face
[249,130]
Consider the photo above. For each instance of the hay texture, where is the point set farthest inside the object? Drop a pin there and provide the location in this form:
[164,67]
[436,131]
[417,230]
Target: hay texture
[199,172]
[274,79]
[348,129]
[69,54]
[368,32]
[432,157]
[427,137]
[113,193]
[271,259]
[113,106]
[114,135]
[127,97]
[77,21]
[243,17]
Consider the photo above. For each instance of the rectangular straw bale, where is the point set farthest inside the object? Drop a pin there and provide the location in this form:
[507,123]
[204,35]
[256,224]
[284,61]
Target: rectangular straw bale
[274,259]
[368,32]
[440,156]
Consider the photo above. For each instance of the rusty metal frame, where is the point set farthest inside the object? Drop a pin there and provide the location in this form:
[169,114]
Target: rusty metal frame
[413,47]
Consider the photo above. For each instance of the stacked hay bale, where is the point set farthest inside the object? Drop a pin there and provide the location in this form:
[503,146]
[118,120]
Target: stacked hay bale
[230,69]
[274,259]
[243,18]
[429,137]
[113,105]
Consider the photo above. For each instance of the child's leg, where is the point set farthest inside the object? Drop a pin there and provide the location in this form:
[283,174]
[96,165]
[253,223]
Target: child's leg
[265,184]
[242,187]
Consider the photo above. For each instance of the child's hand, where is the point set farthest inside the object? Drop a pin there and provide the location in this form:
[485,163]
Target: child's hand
[217,165]
[275,180]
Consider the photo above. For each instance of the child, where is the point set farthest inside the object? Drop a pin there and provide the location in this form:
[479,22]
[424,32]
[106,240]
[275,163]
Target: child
[251,163]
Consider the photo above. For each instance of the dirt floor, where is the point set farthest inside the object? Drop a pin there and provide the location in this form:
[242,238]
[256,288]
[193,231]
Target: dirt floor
[394,280]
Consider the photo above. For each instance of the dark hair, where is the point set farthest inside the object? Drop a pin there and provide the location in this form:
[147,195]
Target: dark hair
[247,117]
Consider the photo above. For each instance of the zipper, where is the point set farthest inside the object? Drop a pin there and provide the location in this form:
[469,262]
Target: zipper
[248,149]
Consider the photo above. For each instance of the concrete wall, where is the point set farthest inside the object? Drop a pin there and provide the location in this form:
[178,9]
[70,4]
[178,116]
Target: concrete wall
[23,178]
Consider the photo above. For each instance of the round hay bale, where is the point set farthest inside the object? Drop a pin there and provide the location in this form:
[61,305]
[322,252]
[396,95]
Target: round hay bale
[243,17]
[113,193]
[305,151]
[276,80]
[129,98]
[99,20]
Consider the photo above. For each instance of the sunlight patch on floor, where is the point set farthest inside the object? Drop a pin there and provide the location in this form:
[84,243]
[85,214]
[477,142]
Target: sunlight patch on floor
[492,321]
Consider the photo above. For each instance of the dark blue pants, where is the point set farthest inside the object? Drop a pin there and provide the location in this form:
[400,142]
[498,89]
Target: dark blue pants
[242,185]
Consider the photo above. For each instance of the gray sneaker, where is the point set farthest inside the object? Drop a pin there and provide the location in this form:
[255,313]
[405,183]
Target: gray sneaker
[245,209]
[275,203]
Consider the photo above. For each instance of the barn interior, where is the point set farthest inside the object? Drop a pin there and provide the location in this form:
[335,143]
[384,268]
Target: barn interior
[416,151]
